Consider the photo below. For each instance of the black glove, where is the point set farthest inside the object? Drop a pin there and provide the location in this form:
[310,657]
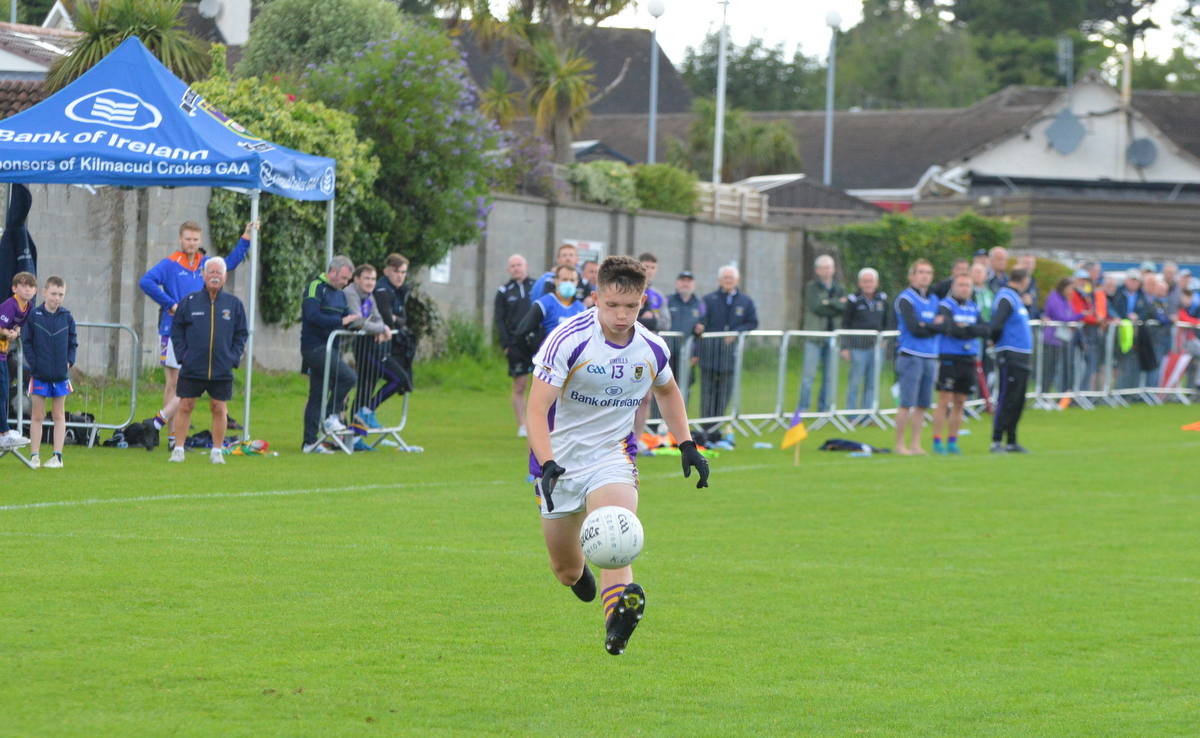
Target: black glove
[550,474]
[693,459]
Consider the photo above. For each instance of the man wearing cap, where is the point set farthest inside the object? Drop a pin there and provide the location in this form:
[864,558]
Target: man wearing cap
[687,317]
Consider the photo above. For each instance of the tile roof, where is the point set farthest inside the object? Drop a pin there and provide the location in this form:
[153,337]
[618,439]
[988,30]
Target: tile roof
[19,95]
[39,45]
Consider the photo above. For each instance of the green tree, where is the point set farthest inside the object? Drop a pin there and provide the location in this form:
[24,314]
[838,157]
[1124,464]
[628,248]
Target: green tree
[287,35]
[293,232]
[499,102]
[758,77]
[104,28]
[1179,73]
[31,12]
[665,188]
[1030,19]
[414,98]
[750,148]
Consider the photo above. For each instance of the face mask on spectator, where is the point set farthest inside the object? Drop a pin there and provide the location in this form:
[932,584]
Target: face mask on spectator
[566,290]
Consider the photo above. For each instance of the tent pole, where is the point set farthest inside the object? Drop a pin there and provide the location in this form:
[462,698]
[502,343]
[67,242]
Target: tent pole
[328,233]
[252,313]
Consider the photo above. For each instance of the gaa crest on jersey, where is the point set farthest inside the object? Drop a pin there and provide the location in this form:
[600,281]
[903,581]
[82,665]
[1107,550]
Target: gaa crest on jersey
[637,372]
[225,314]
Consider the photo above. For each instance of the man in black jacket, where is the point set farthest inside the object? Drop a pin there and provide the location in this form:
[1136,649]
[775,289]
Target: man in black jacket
[867,309]
[391,295]
[727,309]
[322,312]
[209,334]
[512,303]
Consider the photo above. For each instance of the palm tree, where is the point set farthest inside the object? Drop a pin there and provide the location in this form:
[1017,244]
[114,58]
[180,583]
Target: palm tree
[750,148]
[155,22]
[499,102]
[559,95]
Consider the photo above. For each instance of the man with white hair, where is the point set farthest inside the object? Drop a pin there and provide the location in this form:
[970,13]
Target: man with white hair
[209,334]
[727,309]
[997,268]
[866,310]
[824,306]
[512,303]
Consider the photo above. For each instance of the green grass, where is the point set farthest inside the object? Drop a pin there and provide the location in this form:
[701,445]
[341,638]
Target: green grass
[392,594]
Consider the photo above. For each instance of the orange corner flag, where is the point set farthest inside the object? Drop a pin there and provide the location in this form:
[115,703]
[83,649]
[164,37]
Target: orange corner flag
[1193,426]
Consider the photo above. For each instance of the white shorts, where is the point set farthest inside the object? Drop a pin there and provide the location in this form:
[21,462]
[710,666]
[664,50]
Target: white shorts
[166,356]
[570,495]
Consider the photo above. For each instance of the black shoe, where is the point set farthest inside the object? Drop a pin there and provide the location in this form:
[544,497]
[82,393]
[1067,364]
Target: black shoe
[998,448]
[625,616]
[585,588]
[152,432]
[1015,448]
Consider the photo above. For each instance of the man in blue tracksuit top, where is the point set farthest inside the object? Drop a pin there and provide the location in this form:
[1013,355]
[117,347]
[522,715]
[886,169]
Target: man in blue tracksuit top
[958,348]
[1014,354]
[209,334]
[168,282]
[917,352]
[324,311]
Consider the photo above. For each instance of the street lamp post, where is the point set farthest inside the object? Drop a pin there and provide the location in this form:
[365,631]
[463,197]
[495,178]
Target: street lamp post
[833,19]
[719,133]
[656,9]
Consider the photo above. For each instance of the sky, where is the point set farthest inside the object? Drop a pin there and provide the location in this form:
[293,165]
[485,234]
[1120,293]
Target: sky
[791,22]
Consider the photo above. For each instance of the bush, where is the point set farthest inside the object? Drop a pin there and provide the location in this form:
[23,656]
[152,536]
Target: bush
[893,243]
[605,183]
[1046,274]
[465,337]
[665,188]
[413,96]
[293,232]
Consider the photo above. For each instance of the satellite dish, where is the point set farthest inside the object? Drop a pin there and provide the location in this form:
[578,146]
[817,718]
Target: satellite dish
[1066,132]
[1142,153]
[209,8]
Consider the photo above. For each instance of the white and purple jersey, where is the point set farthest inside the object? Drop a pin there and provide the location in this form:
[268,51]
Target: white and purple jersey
[601,385]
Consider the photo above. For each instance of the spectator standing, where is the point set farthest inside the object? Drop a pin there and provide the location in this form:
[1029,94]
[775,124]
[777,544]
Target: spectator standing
[588,274]
[373,359]
[656,318]
[1170,275]
[391,298]
[958,347]
[980,257]
[1030,297]
[567,255]
[1130,303]
[512,303]
[981,293]
[324,311]
[168,282]
[49,341]
[1058,368]
[209,334]
[687,317]
[916,361]
[1014,352]
[13,313]
[726,310]
[997,268]
[548,311]
[824,309]
[958,268]
[866,310]
[1091,303]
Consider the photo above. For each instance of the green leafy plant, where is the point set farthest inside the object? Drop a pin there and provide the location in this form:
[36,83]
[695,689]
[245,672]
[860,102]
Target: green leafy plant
[293,232]
[665,188]
[605,183]
[412,95]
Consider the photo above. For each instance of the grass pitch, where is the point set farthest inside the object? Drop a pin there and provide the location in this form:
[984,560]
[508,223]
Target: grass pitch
[390,594]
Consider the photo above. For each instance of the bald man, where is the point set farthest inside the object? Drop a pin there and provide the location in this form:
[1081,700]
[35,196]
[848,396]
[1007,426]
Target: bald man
[512,303]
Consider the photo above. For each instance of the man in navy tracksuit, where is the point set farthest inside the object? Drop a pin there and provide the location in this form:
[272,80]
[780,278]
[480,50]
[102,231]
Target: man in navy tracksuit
[209,334]
[727,309]
[1014,355]
[324,311]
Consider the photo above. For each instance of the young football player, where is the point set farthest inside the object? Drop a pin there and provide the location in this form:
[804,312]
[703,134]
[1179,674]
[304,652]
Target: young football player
[590,377]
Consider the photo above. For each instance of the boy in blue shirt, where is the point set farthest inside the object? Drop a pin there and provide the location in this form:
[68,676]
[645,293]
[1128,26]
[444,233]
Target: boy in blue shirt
[50,342]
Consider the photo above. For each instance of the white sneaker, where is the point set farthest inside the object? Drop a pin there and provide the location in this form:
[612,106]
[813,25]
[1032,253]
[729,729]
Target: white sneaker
[316,448]
[55,462]
[522,433]
[12,439]
[216,456]
[334,425]
[176,455]
[35,461]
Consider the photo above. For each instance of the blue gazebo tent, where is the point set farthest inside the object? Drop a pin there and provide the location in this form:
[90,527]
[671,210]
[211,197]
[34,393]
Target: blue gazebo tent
[130,122]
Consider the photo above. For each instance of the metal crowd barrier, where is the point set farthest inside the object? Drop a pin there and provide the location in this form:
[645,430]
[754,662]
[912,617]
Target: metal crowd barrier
[371,397]
[750,380]
[104,383]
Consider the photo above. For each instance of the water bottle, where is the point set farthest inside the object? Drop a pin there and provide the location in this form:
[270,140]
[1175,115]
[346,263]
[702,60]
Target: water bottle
[764,444]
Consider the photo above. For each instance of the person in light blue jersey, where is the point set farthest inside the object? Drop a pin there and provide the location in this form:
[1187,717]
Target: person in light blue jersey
[1014,357]
[917,353]
[558,306]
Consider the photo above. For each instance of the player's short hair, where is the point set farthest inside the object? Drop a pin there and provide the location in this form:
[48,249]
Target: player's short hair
[623,274]
[561,267]
[648,257]
[1018,275]
[358,272]
[919,262]
[338,263]
[24,278]
[395,261]
[219,261]
[55,281]
[190,225]
[566,246]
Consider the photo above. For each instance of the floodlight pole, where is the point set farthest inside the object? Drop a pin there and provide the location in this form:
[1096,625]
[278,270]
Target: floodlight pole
[252,312]
[719,133]
[656,9]
[833,19]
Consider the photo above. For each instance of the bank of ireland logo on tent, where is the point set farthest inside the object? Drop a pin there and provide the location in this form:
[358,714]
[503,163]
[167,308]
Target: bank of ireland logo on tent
[116,108]
[266,174]
[327,181]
